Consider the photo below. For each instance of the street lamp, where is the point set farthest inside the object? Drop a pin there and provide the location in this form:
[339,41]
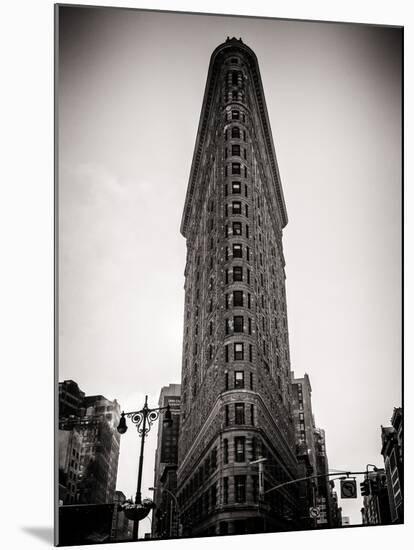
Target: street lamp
[260,461]
[177,507]
[143,419]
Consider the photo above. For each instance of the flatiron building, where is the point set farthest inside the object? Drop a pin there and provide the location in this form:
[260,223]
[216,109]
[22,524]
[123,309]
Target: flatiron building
[235,386]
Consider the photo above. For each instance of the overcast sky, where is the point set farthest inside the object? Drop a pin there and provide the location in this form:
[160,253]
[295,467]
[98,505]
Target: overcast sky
[130,92]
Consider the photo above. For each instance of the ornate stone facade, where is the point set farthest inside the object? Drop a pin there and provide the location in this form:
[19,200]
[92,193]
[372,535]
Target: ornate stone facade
[236,393]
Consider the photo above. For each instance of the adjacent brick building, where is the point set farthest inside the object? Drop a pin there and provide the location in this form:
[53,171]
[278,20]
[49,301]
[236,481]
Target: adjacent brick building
[88,446]
[236,391]
[311,450]
[166,518]
[70,398]
[303,417]
[322,485]
[392,452]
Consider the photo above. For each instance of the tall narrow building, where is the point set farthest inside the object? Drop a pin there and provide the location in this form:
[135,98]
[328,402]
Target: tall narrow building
[311,448]
[236,391]
[165,519]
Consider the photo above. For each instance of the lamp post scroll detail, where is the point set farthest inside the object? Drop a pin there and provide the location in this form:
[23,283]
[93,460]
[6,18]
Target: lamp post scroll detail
[143,419]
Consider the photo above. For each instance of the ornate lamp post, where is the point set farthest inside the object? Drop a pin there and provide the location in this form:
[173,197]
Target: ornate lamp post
[143,420]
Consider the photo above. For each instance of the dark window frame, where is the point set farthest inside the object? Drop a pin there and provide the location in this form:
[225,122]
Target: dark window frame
[240,449]
[235,150]
[237,228]
[237,250]
[237,273]
[236,169]
[235,132]
[238,298]
[236,207]
[225,451]
[239,414]
[238,323]
[225,490]
[239,379]
[238,354]
[240,489]
[236,187]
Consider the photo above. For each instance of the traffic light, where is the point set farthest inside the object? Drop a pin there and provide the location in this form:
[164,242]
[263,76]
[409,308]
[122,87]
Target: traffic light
[365,489]
[374,486]
[348,488]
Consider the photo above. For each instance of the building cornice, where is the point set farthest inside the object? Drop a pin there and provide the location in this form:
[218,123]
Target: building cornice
[211,84]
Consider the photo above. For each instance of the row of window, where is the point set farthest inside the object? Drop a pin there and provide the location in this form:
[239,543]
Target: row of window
[238,380]
[235,95]
[235,133]
[203,472]
[235,114]
[238,352]
[236,151]
[236,208]
[236,325]
[237,299]
[239,450]
[237,273]
[238,414]
[235,189]
[208,500]
[240,454]
[237,251]
[202,506]
[210,352]
[237,230]
[238,347]
[234,77]
[235,170]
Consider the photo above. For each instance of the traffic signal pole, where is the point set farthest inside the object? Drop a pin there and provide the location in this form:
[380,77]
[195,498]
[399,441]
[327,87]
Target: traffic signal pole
[347,474]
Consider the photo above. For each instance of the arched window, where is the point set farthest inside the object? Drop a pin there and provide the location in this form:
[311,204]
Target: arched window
[235,132]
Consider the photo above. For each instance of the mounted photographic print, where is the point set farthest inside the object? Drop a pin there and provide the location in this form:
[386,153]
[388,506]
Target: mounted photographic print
[228,247]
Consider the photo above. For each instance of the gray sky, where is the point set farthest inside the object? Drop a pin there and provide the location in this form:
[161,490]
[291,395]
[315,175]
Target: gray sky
[130,94]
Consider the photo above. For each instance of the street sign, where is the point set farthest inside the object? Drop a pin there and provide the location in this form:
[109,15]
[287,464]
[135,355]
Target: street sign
[314,513]
[348,488]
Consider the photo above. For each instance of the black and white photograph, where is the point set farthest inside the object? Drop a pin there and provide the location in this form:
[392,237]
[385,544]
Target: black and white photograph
[228,221]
